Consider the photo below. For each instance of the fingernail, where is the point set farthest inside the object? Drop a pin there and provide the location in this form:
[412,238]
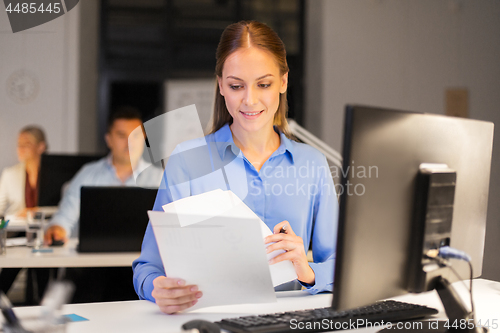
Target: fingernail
[194,302]
[271,261]
[181,282]
[198,295]
[194,288]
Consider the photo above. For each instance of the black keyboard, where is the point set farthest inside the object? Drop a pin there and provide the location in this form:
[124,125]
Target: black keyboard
[326,319]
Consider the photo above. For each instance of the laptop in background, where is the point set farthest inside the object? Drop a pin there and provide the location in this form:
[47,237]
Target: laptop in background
[114,219]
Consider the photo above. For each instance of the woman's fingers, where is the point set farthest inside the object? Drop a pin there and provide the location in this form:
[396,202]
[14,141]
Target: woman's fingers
[283,237]
[282,257]
[283,228]
[277,228]
[282,245]
[173,295]
[166,282]
[186,299]
[171,309]
[299,261]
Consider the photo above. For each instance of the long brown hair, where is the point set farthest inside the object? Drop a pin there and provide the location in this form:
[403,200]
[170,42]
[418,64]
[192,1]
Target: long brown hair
[242,35]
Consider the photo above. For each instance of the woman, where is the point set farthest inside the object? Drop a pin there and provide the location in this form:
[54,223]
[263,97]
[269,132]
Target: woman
[288,184]
[19,183]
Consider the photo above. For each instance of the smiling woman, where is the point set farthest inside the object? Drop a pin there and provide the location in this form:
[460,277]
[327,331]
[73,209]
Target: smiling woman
[250,129]
[238,44]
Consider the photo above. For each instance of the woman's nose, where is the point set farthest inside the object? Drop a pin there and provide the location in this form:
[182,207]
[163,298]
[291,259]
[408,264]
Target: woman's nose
[251,97]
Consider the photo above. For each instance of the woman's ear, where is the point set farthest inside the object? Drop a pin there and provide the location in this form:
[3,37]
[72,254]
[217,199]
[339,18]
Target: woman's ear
[41,148]
[284,83]
[219,82]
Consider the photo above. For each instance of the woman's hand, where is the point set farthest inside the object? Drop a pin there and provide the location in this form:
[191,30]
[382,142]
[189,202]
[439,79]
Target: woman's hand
[294,247]
[172,295]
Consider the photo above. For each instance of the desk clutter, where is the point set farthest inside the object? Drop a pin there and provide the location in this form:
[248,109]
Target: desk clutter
[101,254]
[50,317]
[144,316]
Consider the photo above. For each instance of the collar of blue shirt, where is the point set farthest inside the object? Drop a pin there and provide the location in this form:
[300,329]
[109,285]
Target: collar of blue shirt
[224,138]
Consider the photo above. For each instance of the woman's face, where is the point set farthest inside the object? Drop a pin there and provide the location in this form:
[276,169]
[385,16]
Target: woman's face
[251,85]
[28,148]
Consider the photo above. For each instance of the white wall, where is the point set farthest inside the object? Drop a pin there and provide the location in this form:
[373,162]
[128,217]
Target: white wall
[63,56]
[50,53]
[404,55]
[88,75]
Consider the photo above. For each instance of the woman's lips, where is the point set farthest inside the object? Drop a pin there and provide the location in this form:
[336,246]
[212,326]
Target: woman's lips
[251,115]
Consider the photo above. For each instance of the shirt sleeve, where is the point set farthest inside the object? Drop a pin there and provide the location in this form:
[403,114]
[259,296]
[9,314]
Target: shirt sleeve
[324,237]
[68,213]
[149,265]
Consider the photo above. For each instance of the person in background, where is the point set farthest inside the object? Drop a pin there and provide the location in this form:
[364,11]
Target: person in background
[19,183]
[116,169]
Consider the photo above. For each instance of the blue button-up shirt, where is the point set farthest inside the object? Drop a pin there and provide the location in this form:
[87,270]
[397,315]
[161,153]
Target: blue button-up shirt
[98,173]
[294,184]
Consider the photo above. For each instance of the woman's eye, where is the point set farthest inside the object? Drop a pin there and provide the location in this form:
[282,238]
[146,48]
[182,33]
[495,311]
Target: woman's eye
[235,86]
[264,85]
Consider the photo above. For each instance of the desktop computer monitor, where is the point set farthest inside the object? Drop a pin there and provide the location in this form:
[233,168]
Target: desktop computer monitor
[383,151]
[55,171]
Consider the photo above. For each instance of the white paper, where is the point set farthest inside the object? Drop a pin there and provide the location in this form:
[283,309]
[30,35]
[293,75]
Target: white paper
[15,221]
[16,241]
[197,208]
[224,256]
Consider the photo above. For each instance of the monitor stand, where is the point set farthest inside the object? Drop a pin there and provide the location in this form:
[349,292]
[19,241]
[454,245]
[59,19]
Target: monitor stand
[458,316]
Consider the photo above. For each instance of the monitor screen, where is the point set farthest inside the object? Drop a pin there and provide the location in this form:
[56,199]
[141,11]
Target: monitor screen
[114,219]
[55,171]
[382,152]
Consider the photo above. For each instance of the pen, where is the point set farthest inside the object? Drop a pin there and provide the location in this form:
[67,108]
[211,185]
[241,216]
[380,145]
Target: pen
[283,229]
[4,224]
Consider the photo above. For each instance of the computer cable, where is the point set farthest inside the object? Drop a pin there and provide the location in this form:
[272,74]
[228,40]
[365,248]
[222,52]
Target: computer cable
[442,256]
[447,252]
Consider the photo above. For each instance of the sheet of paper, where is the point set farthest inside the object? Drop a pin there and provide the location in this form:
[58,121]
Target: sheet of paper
[16,241]
[197,208]
[223,255]
[16,221]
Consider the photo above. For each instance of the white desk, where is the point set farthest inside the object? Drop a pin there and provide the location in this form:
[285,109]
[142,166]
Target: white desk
[144,316]
[65,256]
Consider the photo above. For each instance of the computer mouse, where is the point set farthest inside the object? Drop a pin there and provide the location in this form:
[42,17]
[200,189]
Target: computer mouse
[203,326]
[58,242]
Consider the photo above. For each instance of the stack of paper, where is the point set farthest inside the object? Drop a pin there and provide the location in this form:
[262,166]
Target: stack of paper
[215,241]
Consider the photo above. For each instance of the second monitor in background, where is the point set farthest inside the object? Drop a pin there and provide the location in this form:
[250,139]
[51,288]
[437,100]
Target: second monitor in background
[55,172]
